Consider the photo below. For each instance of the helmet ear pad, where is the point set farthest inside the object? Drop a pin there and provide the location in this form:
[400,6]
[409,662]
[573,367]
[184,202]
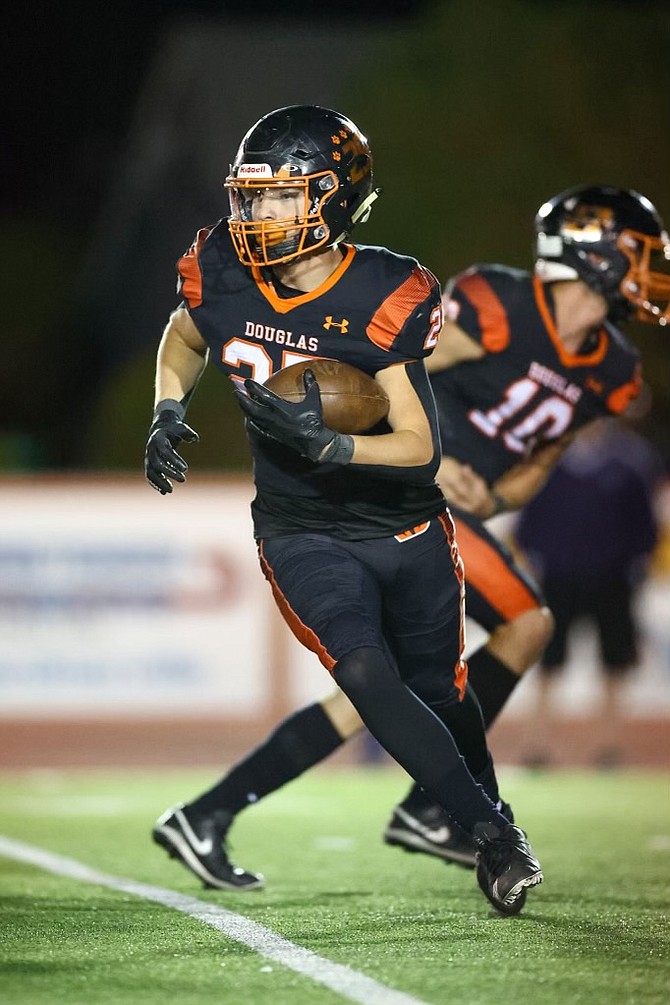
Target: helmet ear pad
[602,267]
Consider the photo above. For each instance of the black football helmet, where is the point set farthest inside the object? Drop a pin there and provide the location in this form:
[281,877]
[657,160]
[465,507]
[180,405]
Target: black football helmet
[315,150]
[614,240]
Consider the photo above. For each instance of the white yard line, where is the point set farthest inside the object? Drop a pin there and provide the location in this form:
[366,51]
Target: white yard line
[341,979]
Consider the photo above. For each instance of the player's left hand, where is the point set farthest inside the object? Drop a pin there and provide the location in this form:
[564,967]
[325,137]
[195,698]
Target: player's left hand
[464,488]
[297,424]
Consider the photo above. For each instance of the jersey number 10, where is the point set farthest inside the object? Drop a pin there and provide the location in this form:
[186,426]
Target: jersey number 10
[551,417]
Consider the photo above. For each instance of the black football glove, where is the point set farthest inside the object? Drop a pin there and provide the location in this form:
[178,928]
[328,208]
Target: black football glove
[161,460]
[297,424]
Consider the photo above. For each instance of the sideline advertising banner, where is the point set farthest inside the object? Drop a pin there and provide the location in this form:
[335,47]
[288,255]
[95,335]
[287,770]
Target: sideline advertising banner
[117,602]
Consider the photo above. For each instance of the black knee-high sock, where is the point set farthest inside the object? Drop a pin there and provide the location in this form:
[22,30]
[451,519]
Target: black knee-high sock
[466,725]
[418,798]
[413,735]
[301,741]
[464,721]
[492,681]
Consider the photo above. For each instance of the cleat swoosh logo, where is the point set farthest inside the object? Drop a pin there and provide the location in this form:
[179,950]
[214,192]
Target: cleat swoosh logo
[435,834]
[495,890]
[201,846]
[438,835]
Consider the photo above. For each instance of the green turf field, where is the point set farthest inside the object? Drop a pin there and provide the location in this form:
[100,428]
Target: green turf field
[596,931]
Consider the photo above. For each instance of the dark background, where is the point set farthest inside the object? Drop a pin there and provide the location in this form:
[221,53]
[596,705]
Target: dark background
[121,119]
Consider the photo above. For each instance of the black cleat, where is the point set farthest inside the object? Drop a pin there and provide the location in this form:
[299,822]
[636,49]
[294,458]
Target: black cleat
[198,843]
[506,866]
[430,830]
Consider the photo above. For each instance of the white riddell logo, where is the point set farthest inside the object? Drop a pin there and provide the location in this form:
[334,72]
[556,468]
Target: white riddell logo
[257,170]
[200,846]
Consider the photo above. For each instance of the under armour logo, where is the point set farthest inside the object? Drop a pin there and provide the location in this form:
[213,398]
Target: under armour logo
[594,385]
[343,325]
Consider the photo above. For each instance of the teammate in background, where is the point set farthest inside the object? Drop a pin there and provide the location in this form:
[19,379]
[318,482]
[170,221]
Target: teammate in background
[589,536]
[353,532]
[523,361]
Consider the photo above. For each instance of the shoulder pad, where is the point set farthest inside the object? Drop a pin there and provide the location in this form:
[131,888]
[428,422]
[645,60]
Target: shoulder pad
[209,264]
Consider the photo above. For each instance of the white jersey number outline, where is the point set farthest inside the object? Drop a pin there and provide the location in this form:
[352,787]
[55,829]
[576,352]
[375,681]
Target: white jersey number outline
[237,353]
[554,413]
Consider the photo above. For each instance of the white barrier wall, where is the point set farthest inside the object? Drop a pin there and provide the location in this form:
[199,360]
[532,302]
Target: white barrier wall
[116,601]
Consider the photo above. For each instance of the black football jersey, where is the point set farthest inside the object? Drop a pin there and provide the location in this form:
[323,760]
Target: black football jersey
[527,388]
[378,309]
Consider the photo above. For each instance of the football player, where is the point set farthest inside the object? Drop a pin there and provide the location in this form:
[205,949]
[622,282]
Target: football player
[353,532]
[523,361]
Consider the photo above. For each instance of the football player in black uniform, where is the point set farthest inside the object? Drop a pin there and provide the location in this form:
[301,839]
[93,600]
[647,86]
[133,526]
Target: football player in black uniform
[353,532]
[523,362]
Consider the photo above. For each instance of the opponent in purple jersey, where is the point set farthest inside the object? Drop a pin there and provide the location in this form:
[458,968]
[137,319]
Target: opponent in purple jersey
[353,533]
[523,361]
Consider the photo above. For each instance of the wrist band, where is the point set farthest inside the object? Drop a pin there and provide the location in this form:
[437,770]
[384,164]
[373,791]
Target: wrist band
[340,450]
[170,405]
[499,504]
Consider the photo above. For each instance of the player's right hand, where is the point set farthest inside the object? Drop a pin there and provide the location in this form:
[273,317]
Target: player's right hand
[161,460]
[298,424]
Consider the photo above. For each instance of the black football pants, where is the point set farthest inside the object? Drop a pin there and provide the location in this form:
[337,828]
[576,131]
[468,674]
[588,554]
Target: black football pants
[386,618]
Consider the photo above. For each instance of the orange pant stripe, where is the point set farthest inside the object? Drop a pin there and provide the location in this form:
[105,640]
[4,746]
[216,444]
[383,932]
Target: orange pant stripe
[487,572]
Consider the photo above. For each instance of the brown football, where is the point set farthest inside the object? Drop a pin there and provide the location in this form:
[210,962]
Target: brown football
[352,401]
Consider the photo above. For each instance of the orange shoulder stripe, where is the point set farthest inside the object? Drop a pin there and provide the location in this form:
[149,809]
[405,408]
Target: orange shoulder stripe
[488,573]
[490,310]
[189,270]
[392,314]
[621,397]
